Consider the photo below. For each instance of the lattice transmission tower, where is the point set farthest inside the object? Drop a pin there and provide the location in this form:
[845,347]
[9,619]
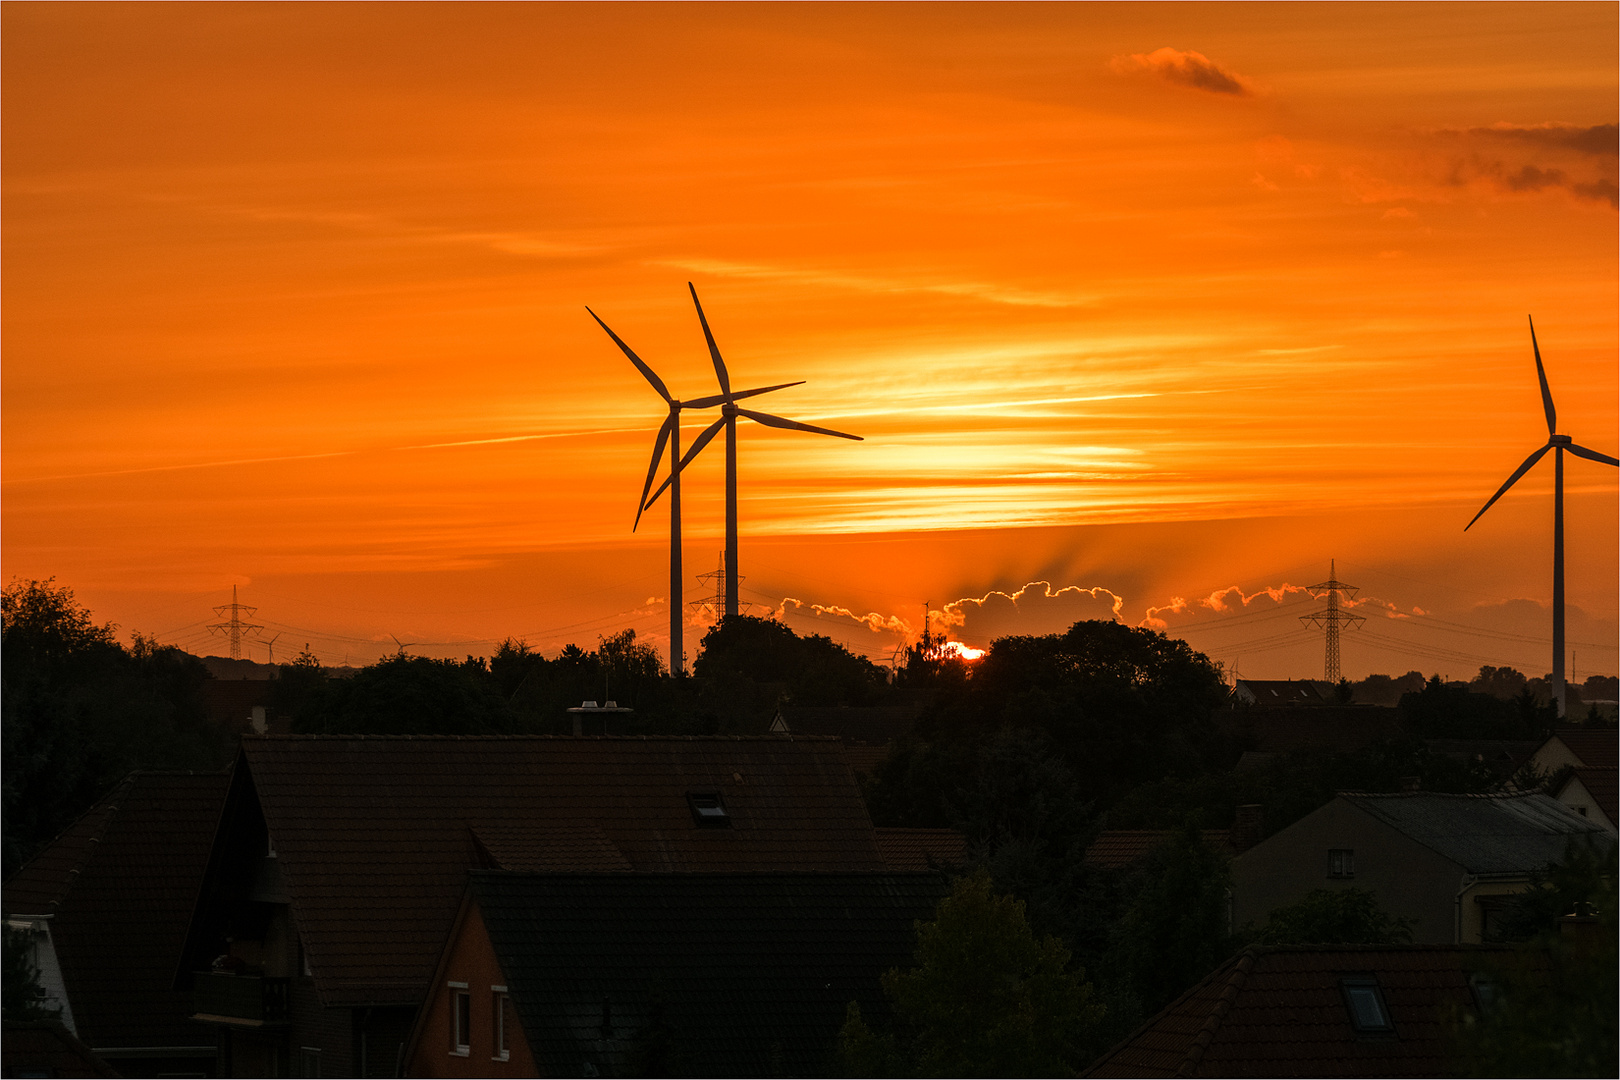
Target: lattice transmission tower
[1331,618]
[234,628]
[716,601]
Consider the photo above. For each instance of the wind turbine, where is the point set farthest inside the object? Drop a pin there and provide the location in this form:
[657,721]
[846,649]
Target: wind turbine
[1560,443]
[728,420]
[670,432]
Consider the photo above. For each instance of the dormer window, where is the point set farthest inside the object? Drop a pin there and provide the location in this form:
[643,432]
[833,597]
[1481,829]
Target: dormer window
[708,809]
[1365,1003]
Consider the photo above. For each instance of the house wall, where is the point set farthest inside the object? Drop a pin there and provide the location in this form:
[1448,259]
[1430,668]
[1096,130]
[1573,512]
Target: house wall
[1410,880]
[1552,756]
[471,960]
[1577,798]
[42,955]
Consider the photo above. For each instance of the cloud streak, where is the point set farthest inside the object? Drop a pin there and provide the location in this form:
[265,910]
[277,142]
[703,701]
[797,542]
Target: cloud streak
[1185,68]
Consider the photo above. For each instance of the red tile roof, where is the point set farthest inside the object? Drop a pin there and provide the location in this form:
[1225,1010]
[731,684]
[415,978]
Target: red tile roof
[922,849]
[1117,848]
[1595,746]
[120,885]
[1282,1012]
[374,835]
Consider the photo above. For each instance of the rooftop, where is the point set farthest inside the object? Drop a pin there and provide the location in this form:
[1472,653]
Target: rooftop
[1284,1011]
[744,974]
[120,885]
[374,835]
[1484,834]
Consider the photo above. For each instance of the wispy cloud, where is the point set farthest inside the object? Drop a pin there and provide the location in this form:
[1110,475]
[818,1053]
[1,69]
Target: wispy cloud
[1186,68]
[987,292]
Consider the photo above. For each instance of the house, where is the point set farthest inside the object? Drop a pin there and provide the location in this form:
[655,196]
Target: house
[1117,849]
[1278,693]
[341,862]
[1349,1010]
[662,974]
[1286,729]
[867,731]
[106,906]
[1597,747]
[1590,792]
[1445,862]
[922,849]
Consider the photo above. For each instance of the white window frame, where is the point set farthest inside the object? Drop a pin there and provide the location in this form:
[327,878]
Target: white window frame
[498,1005]
[460,1038]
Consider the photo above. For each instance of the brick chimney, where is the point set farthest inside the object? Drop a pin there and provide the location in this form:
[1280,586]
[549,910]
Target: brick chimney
[1247,825]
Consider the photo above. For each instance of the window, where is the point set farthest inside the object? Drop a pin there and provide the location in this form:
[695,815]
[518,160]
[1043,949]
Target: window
[460,1020]
[497,1014]
[708,809]
[309,1061]
[1368,1013]
[1485,991]
[1341,863]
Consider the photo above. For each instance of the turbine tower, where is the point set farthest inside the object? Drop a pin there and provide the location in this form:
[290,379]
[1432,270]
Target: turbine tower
[728,420]
[670,432]
[1561,443]
[1331,618]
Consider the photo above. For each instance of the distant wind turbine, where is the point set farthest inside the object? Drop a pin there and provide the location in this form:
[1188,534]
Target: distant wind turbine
[728,420]
[670,432]
[1560,443]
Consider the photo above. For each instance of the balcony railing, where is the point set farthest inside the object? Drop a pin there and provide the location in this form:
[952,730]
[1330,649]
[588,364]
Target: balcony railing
[254,999]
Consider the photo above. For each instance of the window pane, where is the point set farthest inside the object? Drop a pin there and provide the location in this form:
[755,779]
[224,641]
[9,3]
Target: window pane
[1369,1014]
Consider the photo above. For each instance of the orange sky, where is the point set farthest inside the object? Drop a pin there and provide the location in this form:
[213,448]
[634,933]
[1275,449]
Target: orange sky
[1151,302]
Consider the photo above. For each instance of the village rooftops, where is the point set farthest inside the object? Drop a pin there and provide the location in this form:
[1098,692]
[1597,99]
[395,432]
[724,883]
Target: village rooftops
[687,974]
[1319,1010]
[1484,834]
[373,836]
[116,890]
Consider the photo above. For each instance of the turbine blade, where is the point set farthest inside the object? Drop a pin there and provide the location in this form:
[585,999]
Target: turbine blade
[719,399]
[1591,455]
[714,350]
[1541,373]
[641,365]
[1520,471]
[652,470]
[697,446]
[793,425]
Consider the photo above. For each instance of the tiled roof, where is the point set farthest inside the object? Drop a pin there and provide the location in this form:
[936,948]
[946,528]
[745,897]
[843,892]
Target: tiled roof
[865,759]
[1283,691]
[1281,1012]
[745,974]
[374,835]
[1287,728]
[1484,834]
[46,1048]
[922,849]
[871,724]
[1117,848]
[1595,746]
[120,885]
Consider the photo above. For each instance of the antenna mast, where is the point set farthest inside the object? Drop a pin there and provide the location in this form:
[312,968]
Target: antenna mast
[234,628]
[1331,618]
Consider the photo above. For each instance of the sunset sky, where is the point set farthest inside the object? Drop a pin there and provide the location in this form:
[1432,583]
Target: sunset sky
[1160,307]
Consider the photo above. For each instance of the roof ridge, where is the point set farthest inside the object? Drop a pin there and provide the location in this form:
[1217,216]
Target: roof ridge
[1486,795]
[539,738]
[1223,1005]
[108,805]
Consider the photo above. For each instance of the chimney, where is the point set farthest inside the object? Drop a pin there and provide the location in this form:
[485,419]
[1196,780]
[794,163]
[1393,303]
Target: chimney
[1247,825]
[1410,784]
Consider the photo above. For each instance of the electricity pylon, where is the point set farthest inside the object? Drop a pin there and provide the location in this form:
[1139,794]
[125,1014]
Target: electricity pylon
[234,628]
[1331,618]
